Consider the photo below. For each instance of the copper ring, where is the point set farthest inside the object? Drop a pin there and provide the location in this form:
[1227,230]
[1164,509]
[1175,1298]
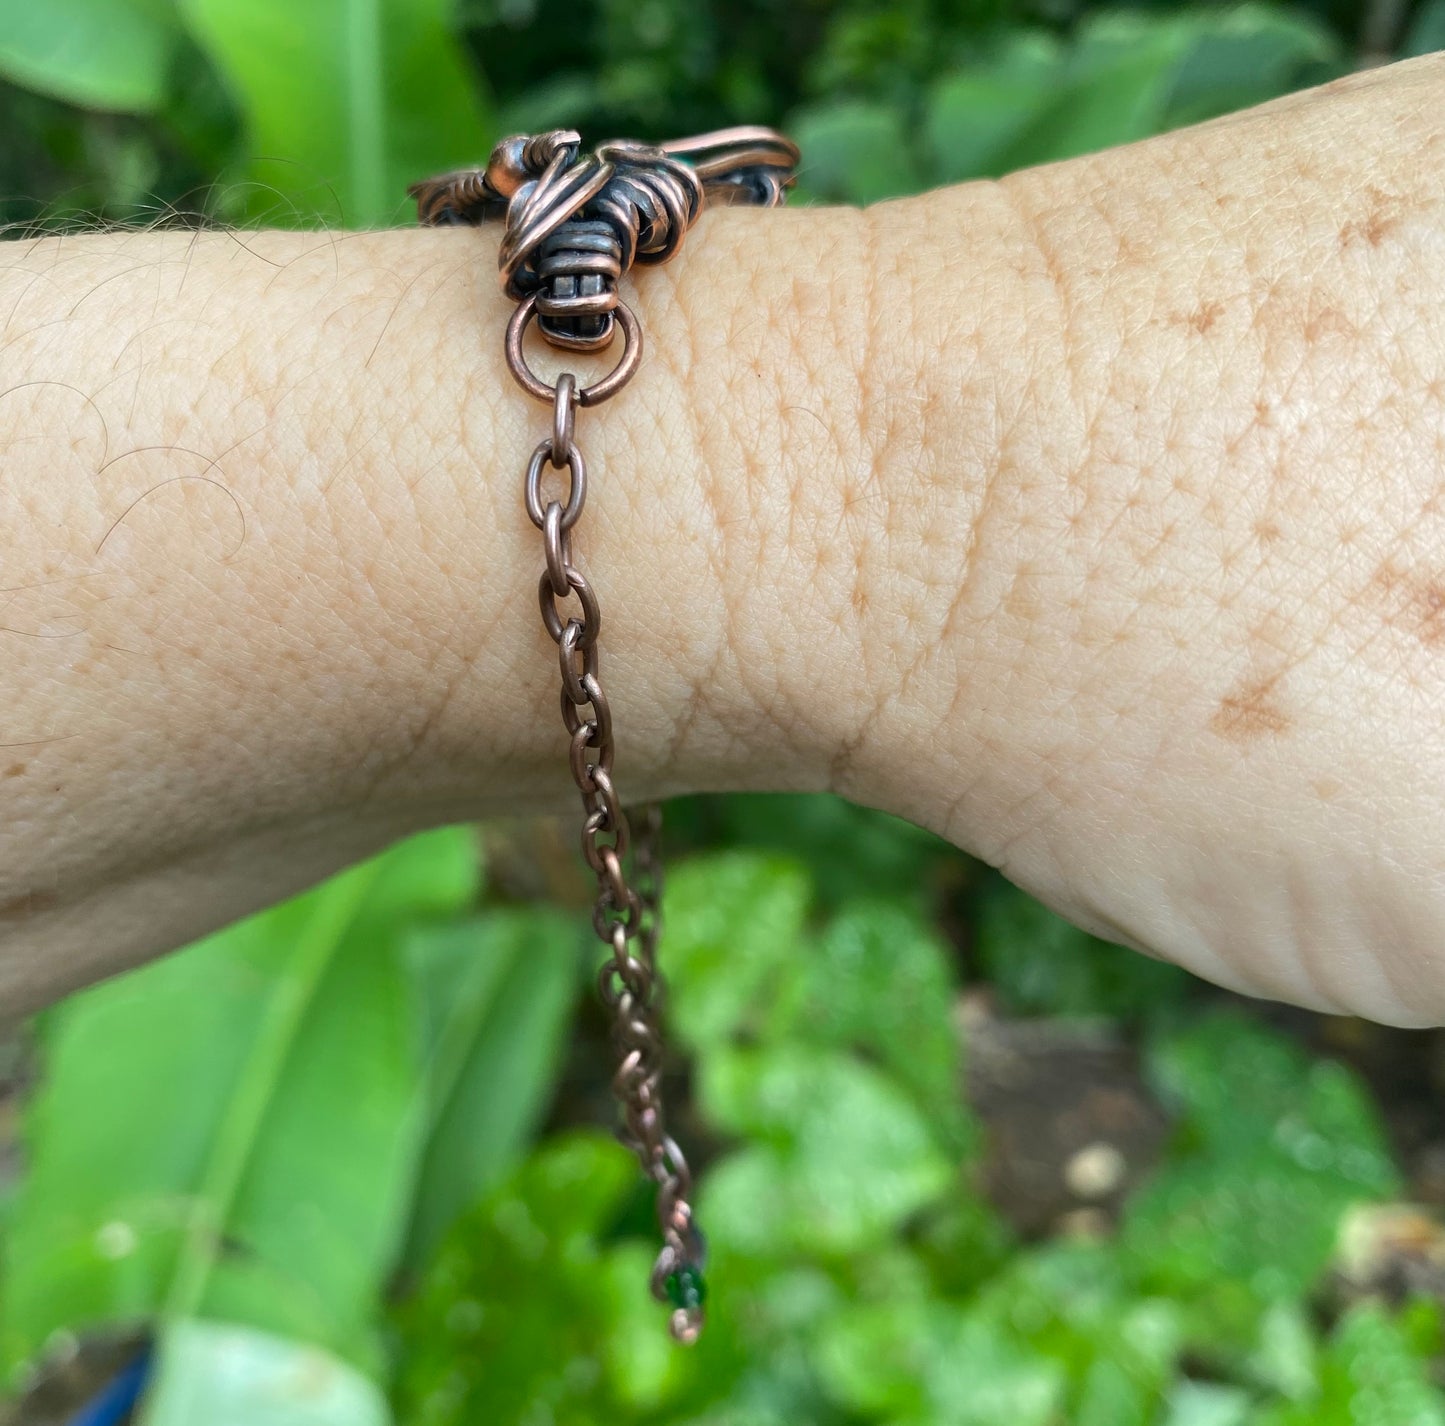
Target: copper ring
[564,410]
[592,395]
[576,489]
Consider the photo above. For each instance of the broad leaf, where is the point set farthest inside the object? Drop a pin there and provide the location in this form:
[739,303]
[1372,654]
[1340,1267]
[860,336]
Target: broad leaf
[1243,1087]
[508,1323]
[733,938]
[879,981]
[1427,30]
[1205,1404]
[104,54]
[845,1156]
[1245,55]
[498,995]
[1246,1217]
[1372,1373]
[930,1362]
[1073,1305]
[854,150]
[346,101]
[225,1375]
[848,850]
[974,117]
[1115,89]
[194,1147]
[1249,1228]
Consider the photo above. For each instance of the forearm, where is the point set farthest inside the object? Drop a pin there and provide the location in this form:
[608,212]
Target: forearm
[271,590]
[1018,509]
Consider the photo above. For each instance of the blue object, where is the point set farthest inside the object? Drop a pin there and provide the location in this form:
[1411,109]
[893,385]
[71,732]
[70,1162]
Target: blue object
[119,1397]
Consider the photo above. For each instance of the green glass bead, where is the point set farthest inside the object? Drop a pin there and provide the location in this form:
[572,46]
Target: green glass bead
[686,1288]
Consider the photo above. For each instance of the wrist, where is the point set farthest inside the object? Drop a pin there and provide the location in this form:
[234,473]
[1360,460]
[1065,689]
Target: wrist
[1182,691]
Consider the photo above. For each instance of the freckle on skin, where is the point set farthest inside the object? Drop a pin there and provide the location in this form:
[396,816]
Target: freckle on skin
[1326,322]
[1268,531]
[1414,602]
[1203,317]
[1326,788]
[1382,219]
[15,769]
[1250,712]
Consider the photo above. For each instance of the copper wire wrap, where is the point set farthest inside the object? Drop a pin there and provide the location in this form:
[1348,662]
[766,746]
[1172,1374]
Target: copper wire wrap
[575,223]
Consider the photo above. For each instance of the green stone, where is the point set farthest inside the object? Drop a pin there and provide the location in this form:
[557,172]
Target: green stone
[686,1288]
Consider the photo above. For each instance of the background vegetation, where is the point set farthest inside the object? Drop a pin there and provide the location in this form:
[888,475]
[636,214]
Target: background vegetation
[347,1163]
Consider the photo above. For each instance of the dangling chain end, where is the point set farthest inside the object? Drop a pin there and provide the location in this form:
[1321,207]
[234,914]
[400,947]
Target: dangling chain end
[686,1324]
[575,222]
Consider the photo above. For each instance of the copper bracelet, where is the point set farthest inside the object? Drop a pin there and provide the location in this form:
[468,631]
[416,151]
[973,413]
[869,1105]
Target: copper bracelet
[575,222]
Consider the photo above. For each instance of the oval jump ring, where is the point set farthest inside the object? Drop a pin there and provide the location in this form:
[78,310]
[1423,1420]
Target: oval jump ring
[576,493]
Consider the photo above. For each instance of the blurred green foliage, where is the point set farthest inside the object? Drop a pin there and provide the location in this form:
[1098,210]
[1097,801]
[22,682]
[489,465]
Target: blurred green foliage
[305,1152]
[861,1276]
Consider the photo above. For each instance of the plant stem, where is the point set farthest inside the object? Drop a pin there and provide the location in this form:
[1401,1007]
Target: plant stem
[366,110]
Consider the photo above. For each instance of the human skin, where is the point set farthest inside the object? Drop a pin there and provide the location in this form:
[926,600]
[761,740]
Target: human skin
[1094,519]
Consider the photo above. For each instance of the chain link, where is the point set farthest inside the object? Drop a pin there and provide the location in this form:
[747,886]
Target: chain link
[575,223]
[627,912]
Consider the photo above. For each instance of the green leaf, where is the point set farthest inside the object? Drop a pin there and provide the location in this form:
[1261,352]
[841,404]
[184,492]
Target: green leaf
[510,1320]
[1040,964]
[872,1358]
[1130,74]
[927,1361]
[1245,55]
[1072,1303]
[104,54]
[974,117]
[1370,1374]
[1114,90]
[1112,1396]
[1206,1404]
[848,850]
[1427,30]
[1285,1359]
[854,151]
[346,101]
[225,1375]
[1246,1229]
[1276,1147]
[734,937]
[644,1368]
[1127,75]
[846,1157]
[1243,1087]
[193,1147]
[879,981]
[498,995]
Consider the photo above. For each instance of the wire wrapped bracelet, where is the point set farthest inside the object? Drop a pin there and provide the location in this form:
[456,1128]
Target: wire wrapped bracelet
[575,222]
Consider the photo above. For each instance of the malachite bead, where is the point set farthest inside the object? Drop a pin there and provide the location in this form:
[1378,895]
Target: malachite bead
[686,1288]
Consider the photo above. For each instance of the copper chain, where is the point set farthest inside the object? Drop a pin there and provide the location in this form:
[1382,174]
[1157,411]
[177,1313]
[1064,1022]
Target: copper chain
[575,222]
[626,914]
